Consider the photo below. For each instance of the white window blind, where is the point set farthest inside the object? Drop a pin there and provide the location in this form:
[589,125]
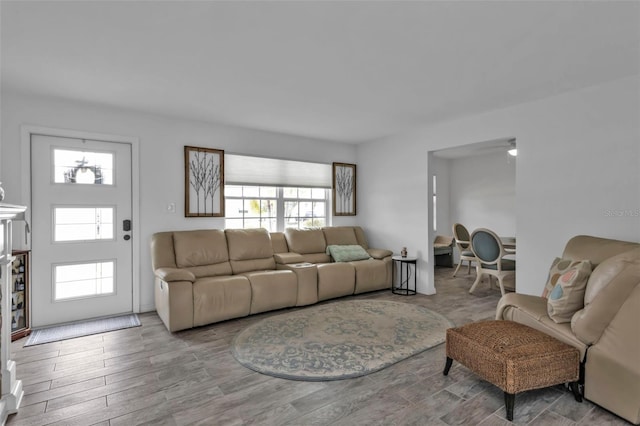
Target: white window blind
[247,170]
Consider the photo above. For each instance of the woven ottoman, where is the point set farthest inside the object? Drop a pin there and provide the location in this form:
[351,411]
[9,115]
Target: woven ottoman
[514,357]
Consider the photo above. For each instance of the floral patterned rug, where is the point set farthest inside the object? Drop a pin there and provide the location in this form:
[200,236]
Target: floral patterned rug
[339,340]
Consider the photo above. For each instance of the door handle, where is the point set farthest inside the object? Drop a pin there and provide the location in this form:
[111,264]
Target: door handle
[126,225]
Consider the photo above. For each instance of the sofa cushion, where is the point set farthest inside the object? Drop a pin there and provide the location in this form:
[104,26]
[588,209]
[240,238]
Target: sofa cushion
[218,269]
[220,298]
[272,290]
[198,248]
[608,289]
[247,244]
[340,235]
[567,296]
[278,242]
[305,241]
[595,249]
[371,274]
[613,370]
[250,250]
[316,258]
[336,280]
[362,239]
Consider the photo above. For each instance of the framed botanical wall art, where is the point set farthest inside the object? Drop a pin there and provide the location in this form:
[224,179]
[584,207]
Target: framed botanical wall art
[203,182]
[344,189]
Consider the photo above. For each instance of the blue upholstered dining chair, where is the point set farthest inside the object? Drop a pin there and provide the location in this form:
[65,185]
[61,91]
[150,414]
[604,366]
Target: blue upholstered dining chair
[463,242]
[488,249]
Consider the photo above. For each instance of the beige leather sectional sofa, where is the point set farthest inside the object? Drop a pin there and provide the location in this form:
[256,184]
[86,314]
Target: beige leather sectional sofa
[211,275]
[606,330]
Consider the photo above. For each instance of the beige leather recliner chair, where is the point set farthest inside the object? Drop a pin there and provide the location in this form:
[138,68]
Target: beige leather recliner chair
[606,330]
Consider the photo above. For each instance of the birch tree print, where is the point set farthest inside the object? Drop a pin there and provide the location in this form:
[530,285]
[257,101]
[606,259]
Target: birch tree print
[344,189]
[204,182]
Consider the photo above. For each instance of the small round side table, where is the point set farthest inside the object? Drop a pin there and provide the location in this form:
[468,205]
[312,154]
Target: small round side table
[405,275]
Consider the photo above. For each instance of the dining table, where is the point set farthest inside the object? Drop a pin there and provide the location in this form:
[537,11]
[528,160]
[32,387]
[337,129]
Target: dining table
[509,244]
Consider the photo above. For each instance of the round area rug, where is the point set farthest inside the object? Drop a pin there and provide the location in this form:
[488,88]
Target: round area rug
[339,340]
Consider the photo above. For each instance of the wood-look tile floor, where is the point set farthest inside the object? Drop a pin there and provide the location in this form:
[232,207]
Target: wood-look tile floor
[146,375]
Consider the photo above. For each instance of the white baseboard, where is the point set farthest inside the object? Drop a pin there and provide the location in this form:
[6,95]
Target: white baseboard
[147,308]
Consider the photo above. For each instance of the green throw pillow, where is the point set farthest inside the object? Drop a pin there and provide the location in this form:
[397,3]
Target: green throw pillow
[347,253]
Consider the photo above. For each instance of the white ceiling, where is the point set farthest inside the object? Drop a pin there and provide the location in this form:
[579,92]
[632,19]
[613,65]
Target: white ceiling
[345,71]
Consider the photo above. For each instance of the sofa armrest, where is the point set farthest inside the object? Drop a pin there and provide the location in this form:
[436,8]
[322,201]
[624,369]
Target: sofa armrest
[379,253]
[536,306]
[288,258]
[174,274]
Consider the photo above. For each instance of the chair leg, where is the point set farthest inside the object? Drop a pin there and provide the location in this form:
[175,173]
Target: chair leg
[468,267]
[500,278]
[477,281]
[458,268]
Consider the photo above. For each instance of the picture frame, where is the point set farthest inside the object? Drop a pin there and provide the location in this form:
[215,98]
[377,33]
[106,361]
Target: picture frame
[344,189]
[203,182]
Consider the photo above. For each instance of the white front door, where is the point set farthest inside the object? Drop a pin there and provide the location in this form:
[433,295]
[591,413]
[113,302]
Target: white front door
[81,222]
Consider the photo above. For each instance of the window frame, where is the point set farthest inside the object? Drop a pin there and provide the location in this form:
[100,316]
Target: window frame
[280,200]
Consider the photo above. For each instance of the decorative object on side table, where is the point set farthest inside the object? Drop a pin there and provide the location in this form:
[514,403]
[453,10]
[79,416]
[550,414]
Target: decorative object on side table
[403,252]
[344,189]
[203,182]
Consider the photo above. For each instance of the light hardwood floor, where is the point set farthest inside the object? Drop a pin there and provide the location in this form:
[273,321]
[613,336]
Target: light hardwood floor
[146,375]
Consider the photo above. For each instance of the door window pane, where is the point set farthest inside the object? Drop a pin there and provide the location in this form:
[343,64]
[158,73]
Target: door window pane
[83,223]
[83,280]
[82,167]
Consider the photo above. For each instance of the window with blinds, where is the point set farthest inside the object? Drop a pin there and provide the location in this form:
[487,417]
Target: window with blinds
[276,194]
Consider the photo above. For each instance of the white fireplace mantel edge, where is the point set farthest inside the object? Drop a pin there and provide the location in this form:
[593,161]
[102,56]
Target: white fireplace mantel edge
[11,388]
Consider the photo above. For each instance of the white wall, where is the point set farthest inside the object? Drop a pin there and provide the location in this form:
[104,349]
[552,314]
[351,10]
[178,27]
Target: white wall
[578,173]
[483,192]
[161,158]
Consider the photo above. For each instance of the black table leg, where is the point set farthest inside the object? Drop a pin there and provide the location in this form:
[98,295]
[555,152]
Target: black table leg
[447,366]
[509,402]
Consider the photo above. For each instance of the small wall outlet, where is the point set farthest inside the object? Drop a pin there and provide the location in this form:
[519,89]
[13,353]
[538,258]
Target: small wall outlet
[171,208]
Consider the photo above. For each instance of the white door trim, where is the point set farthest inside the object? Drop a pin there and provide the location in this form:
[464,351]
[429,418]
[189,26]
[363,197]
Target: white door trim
[25,137]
